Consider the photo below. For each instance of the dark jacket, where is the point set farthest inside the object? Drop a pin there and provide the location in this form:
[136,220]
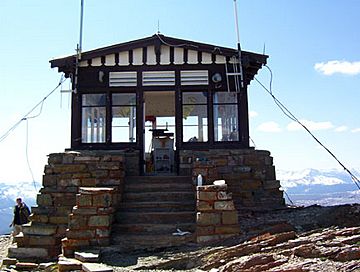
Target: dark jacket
[21,214]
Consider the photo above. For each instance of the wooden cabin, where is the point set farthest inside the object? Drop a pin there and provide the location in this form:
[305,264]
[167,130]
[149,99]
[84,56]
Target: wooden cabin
[160,96]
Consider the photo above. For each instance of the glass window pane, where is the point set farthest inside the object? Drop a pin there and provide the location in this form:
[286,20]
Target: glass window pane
[194,98]
[226,123]
[124,99]
[124,124]
[195,124]
[93,124]
[94,100]
[225,97]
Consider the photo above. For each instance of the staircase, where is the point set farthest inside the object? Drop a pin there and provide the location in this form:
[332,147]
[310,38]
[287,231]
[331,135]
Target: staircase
[153,208]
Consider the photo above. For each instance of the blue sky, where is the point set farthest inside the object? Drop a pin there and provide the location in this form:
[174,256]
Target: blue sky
[314,49]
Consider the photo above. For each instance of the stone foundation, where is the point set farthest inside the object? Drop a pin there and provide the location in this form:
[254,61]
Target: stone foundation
[91,219]
[249,173]
[64,175]
[216,217]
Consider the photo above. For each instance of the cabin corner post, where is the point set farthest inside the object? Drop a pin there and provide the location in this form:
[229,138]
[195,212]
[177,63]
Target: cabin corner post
[244,118]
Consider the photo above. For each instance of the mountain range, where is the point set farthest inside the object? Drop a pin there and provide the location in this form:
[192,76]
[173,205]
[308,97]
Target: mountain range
[306,187]
[323,187]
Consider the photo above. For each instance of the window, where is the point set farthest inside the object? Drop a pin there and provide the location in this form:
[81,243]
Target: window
[93,118]
[195,122]
[123,123]
[226,125]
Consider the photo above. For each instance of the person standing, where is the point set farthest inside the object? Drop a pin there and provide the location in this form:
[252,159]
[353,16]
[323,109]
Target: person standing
[21,216]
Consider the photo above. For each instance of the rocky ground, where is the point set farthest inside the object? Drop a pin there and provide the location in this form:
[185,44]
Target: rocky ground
[291,240]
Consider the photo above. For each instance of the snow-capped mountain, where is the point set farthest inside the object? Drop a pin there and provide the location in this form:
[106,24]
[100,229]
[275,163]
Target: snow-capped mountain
[8,195]
[323,187]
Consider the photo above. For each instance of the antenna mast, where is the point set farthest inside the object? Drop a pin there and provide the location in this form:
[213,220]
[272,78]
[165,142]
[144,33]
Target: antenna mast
[238,44]
[79,47]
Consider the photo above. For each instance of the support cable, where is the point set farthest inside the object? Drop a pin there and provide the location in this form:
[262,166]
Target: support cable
[292,117]
[26,116]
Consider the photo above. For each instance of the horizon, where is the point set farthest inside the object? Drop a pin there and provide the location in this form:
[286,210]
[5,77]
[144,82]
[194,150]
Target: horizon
[314,75]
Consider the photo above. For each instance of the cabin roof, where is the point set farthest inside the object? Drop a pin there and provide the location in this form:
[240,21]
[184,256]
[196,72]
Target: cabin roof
[251,61]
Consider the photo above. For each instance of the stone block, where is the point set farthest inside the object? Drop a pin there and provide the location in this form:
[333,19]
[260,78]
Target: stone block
[65,200]
[74,243]
[80,234]
[203,218]
[116,174]
[229,229]
[39,218]
[69,182]
[99,173]
[49,181]
[95,267]
[83,200]
[271,184]
[204,206]
[250,185]
[20,266]
[9,261]
[212,188]
[88,182]
[67,264]
[102,200]
[223,195]
[84,211]
[99,221]
[205,230]
[87,159]
[87,257]
[226,205]
[58,219]
[105,211]
[208,196]
[103,233]
[39,229]
[69,168]
[109,165]
[229,218]
[77,222]
[109,181]
[27,253]
[242,169]
[44,200]
[42,240]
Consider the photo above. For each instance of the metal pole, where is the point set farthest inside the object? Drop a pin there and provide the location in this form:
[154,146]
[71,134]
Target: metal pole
[238,43]
[79,47]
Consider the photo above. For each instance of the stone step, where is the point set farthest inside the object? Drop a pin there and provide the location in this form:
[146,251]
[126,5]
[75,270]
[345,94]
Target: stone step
[156,217]
[158,187]
[69,264]
[28,253]
[150,241]
[133,228]
[95,267]
[158,196]
[165,206]
[158,179]
[87,256]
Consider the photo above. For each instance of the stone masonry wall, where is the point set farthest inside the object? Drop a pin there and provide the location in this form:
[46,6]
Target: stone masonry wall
[216,217]
[64,175]
[91,219]
[249,173]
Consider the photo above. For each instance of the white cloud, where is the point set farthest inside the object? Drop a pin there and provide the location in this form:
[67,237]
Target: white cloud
[355,130]
[269,127]
[338,66]
[341,129]
[311,125]
[253,114]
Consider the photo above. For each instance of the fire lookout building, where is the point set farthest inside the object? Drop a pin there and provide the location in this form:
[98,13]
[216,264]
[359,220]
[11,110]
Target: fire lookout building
[159,97]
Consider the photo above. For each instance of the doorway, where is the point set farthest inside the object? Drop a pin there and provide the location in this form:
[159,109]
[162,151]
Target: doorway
[159,132]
